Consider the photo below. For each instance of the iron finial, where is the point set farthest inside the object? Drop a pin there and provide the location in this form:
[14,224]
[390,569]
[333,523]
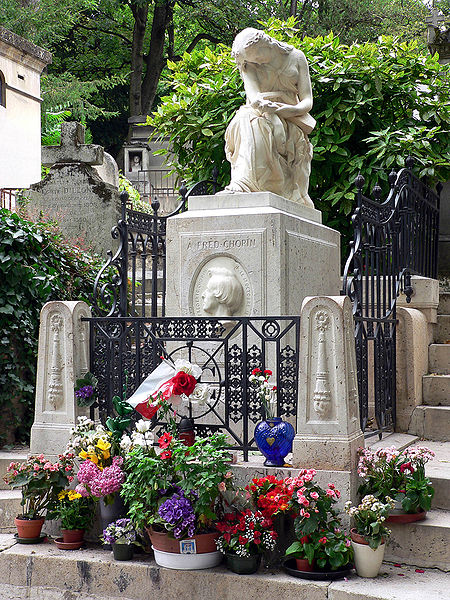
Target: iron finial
[409,162]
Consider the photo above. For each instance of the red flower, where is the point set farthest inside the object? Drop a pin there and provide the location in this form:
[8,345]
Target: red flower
[256,371]
[405,466]
[256,534]
[256,541]
[164,440]
[166,454]
[243,540]
[226,536]
[267,372]
[183,384]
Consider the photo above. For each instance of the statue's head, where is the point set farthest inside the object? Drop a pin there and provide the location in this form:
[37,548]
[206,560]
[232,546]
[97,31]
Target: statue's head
[250,43]
[223,294]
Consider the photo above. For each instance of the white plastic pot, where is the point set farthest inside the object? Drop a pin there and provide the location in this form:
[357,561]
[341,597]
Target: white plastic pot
[187,562]
[368,561]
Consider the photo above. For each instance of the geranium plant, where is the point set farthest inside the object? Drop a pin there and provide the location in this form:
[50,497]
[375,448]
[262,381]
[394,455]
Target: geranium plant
[245,534]
[369,518]
[265,391]
[74,511]
[119,532]
[40,481]
[391,473]
[175,488]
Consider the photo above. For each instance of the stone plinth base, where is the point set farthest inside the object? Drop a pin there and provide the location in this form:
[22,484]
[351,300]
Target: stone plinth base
[277,250]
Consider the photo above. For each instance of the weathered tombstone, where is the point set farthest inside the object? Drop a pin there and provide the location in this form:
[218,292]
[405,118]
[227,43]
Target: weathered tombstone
[80,190]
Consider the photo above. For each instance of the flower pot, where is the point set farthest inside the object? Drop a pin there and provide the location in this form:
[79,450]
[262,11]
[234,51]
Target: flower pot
[123,551]
[402,517]
[29,528]
[274,440]
[283,524]
[243,565]
[199,552]
[72,536]
[304,566]
[111,512]
[367,560]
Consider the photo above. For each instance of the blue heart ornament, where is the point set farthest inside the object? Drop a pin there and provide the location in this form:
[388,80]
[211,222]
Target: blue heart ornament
[274,439]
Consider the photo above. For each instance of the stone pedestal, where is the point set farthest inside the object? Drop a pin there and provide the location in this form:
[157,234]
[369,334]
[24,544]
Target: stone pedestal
[63,356]
[328,430]
[278,251]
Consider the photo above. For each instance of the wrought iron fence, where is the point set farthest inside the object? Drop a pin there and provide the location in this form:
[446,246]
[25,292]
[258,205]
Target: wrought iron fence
[136,281]
[124,350]
[393,240]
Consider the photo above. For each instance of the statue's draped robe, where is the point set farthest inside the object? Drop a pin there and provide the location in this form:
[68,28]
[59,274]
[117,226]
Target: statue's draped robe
[268,152]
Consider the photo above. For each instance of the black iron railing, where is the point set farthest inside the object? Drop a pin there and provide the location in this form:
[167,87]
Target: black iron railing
[127,349]
[393,240]
[133,279]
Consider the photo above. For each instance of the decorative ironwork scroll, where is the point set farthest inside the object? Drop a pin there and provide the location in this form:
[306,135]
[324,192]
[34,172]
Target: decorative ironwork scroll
[393,240]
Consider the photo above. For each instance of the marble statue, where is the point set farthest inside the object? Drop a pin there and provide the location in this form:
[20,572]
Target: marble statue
[223,294]
[267,141]
[135,163]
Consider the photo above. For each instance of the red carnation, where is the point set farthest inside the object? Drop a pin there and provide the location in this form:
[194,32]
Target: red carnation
[256,371]
[267,372]
[183,384]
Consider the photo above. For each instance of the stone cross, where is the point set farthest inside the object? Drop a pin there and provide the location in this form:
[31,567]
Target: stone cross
[72,148]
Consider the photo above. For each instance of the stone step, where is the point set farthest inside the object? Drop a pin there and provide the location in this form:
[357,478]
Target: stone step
[439,358]
[9,509]
[42,571]
[444,303]
[424,543]
[8,456]
[438,470]
[431,422]
[436,390]
[443,329]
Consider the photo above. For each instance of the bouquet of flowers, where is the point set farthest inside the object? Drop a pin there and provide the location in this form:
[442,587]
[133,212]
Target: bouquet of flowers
[176,488]
[245,534]
[390,473]
[170,382]
[119,532]
[91,442]
[265,391]
[369,519]
[74,511]
[141,436]
[40,481]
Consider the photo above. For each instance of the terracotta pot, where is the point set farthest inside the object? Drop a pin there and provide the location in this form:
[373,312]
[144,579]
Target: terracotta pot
[204,542]
[29,528]
[399,517]
[303,565]
[360,539]
[72,536]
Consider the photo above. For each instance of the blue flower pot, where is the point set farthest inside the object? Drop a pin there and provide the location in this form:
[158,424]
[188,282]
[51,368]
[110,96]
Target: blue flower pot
[274,439]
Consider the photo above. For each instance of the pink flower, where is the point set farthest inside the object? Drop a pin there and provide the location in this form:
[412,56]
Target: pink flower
[47,466]
[314,495]
[36,467]
[348,543]
[323,540]
[330,493]
[222,486]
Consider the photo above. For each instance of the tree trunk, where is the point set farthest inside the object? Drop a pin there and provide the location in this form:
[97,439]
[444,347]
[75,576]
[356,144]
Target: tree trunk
[140,14]
[155,58]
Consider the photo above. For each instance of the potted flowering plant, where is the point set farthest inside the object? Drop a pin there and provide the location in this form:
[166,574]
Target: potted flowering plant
[369,534]
[273,436]
[85,390]
[243,538]
[121,535]
[40,481]
[321,544]
[76,514]
[174,493]
[390,473]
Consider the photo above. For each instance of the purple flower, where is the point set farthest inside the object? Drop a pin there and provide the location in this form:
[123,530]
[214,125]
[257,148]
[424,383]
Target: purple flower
[85,392]
[178,512]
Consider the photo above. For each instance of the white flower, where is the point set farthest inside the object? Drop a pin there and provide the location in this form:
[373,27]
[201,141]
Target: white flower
[138,439]
[201,394]
[125,443]
[142,426]
[187,367]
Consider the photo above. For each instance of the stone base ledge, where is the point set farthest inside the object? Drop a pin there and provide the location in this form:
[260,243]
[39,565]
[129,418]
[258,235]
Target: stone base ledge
[42,571]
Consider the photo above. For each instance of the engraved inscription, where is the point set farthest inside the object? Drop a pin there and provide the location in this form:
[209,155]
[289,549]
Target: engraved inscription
[227,244]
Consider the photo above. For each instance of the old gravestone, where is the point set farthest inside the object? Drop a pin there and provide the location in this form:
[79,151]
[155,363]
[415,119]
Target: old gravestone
[80,190]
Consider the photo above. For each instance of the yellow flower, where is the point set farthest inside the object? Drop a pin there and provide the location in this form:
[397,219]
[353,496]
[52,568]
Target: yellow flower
[83,454]
[73,495]
[89,456]
[62,495]
[104,449]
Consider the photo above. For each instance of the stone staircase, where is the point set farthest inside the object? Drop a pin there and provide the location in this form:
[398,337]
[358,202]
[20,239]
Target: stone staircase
[431,420]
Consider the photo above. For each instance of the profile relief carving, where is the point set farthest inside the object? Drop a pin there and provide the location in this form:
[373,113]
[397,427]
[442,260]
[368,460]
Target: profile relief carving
[224,293]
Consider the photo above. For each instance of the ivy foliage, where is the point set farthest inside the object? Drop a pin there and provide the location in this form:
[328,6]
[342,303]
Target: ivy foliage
[36,266]
[375,104]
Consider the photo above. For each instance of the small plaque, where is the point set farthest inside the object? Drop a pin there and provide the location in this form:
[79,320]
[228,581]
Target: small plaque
[188,547]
